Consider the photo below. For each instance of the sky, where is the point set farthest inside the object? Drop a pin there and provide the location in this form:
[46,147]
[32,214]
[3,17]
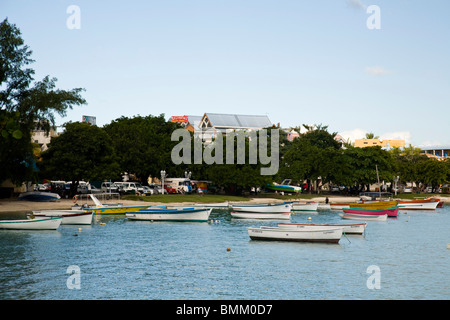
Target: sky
[331,62]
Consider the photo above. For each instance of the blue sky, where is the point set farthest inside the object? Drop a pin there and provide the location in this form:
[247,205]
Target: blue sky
[296,61]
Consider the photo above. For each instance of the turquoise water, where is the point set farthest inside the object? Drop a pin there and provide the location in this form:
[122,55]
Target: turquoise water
[125,259]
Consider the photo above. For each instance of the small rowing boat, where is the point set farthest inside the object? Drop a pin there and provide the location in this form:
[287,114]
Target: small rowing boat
[374,204]
[262,208]
[262,211]
[422,204]
[261,215]
[328,235]
[353,228]
[68,216]
[391,212]
[173,214]
[363,217]
[31,224]
[305,206]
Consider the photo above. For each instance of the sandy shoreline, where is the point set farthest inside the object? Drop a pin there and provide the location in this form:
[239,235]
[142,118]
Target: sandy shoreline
[14,205]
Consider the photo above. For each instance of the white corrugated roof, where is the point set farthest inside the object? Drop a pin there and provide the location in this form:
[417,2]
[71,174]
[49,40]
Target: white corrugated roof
[238,120]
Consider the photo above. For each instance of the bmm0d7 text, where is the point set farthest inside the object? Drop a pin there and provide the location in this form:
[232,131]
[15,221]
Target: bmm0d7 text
[245,309]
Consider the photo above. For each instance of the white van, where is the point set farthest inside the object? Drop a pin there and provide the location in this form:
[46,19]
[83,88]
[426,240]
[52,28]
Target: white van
[108,187]
[129,187]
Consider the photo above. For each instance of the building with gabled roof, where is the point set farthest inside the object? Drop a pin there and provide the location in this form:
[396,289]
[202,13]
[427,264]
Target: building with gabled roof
[227,122]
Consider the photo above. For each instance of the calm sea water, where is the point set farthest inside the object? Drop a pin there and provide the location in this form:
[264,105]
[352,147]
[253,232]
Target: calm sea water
[125,259]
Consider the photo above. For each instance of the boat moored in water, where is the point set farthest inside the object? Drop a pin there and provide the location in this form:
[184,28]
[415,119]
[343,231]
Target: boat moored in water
[363,217]
[68,216]
[391,212]
[32,224]
[353,228]
[161,213]
[327,235]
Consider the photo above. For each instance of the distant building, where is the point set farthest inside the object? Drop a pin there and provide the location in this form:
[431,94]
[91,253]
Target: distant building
[362,143]
[439,152]
[228,122]
[191,123]
[89,119]
[42,138]
[291,134]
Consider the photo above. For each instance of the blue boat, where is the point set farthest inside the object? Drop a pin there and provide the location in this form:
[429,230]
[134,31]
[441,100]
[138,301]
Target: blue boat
[39,196]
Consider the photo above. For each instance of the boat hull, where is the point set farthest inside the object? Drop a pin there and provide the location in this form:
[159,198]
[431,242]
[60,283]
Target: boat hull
[391,212]
[374,205]
[354,228]
[418,204]
[39,196]
[68,216]
[119,210]
[261,215]
[306,206]
[192,215]
[31,224]
[279,234]
[339,206]
[364,217]
[263,208]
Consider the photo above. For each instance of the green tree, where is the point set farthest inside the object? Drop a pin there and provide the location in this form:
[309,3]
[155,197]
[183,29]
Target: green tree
[371,135]
[312,155]
[82,152]
[25,106]
[363,163]
[143,145]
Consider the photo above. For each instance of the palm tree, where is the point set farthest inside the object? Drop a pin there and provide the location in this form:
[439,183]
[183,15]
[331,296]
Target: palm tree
[371,135]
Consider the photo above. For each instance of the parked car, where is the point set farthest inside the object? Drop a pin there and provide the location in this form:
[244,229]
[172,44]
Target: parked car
[147,190]
[129,187]
[109,187]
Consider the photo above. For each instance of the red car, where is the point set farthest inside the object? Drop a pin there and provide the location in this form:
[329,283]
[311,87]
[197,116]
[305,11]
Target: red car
[169,189]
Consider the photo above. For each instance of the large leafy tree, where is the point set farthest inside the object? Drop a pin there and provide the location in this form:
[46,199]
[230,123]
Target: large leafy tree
[144,145]
[25,105]
[312,155]
[82,152]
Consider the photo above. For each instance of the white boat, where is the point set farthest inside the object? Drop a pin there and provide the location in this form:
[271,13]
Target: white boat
[355,228]
[39,196]
[364,217]
[173,214]
[426,204]
[331,235]
[305,206]
[216,205]
[261,215]
[324,206]
[339,206]
[262,208]
[69,216]
[31,224]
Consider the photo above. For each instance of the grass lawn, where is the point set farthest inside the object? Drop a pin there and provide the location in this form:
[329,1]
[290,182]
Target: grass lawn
[171,198]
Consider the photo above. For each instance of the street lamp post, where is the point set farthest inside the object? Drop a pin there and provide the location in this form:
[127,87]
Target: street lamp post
[163,175]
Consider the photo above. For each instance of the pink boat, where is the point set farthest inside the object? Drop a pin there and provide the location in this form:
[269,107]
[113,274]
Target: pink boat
[391,212]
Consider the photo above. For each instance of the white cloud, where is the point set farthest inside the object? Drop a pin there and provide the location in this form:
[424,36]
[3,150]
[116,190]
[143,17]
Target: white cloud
[377,71]
[399,135]
[353,134]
